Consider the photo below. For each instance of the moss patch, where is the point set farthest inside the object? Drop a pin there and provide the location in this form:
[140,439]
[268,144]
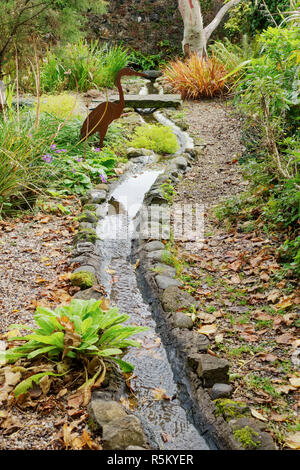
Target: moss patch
[90,207]
[247,437]
[86,235]
[83,279]
[230,409]
[88,216]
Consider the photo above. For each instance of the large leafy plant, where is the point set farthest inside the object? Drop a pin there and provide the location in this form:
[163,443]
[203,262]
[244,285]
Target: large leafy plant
[77,331]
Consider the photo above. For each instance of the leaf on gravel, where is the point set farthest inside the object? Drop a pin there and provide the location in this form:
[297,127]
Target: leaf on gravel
[160,394]
[219,338]
[249,337]
[45,384]
[285,302]
[284,388]
[208,329]
[295,381]
[75,400]
[12,378]
[293,440]
[104,304]
[235,266]
[256,414]
[273,296]
[207,317]
[286,338]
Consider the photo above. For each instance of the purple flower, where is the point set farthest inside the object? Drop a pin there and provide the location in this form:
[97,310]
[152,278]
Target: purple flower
[47,158]
[53,146]
[73,170]
[104,180]
[60,150]
[97,149]
[78,159]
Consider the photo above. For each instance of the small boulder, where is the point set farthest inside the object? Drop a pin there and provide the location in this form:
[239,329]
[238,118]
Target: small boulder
[181,320]
[154,246]
[174,299]
[101,211]
[180,162]
[155,255]
[102,187]
[231,409]
[86,235]
[135,448]
[102,412]
[94,196]
[88,216]
[221,391]
[86,268]
[89,294]
[133,153]
[122,433]
[164,282]
[212,370]
[83,279]
[250,434]
[164,270]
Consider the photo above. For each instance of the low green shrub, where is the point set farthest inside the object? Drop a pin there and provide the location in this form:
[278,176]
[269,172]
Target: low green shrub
[156,137]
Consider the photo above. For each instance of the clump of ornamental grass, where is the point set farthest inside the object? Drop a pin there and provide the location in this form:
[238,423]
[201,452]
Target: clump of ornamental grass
[61,106]
[196,77]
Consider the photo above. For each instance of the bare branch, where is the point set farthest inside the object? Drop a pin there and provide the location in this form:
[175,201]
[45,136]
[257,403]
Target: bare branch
[218,18]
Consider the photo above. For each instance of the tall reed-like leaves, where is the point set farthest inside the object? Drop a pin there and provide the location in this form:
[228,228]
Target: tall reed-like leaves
[196,77]
[82,66]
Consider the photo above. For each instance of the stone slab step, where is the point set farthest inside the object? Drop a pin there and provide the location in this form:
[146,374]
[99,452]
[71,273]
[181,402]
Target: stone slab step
[145,101]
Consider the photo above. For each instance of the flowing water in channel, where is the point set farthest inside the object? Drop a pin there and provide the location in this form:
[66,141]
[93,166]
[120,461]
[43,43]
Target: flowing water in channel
[153,376]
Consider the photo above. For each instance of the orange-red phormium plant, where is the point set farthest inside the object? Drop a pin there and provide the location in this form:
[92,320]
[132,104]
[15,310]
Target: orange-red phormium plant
[196,77]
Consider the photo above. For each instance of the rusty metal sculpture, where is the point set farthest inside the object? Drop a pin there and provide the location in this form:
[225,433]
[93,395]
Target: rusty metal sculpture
[105,113]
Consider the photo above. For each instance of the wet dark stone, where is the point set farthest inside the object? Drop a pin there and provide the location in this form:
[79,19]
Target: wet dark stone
[89,269]
[164,282]
[153,74]
[88,294]
[154,246]
[181,320]
[155,255]
[221,391]
[174,299]
[212,370]
[103,411]
[122,433]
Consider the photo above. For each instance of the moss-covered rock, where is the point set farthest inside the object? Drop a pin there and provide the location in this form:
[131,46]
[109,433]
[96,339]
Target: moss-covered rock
[247,437]
[83,279]
[88,216]
[90,207]
[85,235]
[231,409]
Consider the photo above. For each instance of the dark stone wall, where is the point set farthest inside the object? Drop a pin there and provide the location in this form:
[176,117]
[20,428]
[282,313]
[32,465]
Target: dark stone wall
[146,25]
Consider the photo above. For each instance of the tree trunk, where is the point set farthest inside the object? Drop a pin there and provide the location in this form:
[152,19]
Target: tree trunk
[195,35]
[2,95]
